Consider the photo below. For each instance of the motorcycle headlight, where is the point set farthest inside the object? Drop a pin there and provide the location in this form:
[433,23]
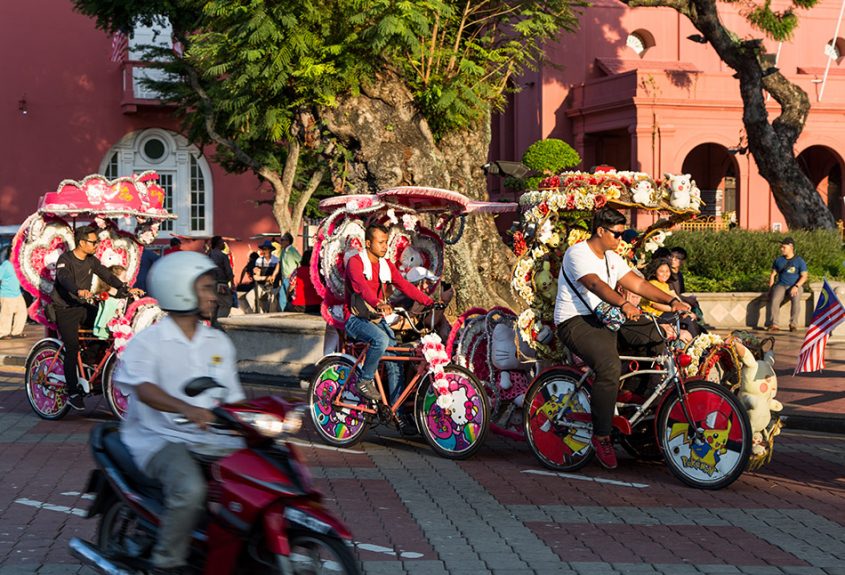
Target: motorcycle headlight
[270,425]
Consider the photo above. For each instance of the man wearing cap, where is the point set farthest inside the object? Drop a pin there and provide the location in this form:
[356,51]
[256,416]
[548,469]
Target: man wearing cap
[266,274]
[789,274]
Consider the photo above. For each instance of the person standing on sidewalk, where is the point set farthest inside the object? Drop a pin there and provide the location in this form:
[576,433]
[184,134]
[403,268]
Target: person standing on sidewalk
[225,277]
[12,304]
[289,260]
[789,274]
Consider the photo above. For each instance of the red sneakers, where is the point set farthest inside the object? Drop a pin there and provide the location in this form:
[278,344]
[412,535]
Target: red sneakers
[605,452]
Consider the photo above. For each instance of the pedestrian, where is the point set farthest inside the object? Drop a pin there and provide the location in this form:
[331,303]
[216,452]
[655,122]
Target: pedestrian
[225,277]
[148,258]
[289,260]
[175,246]
[246,285]
[266,273]
[789,274]
[12,304]
[302,297]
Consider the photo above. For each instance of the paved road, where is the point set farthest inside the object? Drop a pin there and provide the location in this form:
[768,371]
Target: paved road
[412,512]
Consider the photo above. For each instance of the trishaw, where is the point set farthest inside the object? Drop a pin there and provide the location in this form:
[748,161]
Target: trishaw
[448,403]
[127,213]
[535,385]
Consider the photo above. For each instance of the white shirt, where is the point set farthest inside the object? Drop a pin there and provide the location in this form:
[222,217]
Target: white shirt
[579,261]
[164,356]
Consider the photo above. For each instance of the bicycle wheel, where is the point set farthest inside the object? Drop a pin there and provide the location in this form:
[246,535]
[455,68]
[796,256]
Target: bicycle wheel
[48,399]
[338,426]
[558,421]
[118,402]
[458,431]
[713,454]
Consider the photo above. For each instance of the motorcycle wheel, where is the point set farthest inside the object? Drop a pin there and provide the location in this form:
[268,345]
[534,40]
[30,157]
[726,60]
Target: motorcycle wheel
[48,400]
[119,534]
[338,426]
[118,402]
[716,453]
[559,441]
[313,553]
[459,432]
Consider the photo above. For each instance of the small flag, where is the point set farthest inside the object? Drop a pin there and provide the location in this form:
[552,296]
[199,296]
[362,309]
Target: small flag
[119,47]
[829,313]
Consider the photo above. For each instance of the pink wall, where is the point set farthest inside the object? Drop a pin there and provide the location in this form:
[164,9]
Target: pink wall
[652,111]
[60,63]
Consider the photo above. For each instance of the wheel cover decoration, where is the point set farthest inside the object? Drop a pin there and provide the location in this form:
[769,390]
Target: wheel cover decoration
[49,398]
[718,452]
[457,427]
[559,443]
[336,422]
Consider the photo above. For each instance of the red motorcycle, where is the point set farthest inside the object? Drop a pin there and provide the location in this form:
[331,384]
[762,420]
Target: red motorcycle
[263,516]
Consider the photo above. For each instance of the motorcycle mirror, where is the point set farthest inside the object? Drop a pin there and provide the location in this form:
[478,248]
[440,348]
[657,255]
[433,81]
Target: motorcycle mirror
[200,384]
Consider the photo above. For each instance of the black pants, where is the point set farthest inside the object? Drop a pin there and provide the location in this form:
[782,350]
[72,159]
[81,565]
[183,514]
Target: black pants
[69,320]
[587,337]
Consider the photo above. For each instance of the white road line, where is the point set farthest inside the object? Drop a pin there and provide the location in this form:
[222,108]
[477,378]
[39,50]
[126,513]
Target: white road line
[585,478]
[387,551]
[88,496]
[329,447]
[51,507]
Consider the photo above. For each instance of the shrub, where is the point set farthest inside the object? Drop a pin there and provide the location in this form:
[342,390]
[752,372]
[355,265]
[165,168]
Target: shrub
[741,260]
[550,155]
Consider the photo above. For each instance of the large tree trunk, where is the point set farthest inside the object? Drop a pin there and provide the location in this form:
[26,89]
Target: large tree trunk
[394,147]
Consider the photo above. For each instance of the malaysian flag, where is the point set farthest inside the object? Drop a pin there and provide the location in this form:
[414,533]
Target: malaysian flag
[119,47]
[829,313]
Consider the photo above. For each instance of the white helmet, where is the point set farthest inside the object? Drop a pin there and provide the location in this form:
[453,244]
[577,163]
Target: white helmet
[172,280]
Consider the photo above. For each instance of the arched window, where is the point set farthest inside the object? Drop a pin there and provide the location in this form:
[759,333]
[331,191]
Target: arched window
[640,41]
[835,49]
[183,174]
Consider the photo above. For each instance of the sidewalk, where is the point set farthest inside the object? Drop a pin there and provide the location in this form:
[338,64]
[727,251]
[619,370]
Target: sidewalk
[812,402]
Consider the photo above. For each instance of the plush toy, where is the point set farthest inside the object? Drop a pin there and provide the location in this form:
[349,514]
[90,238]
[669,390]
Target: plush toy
[757,392]
[642,193]
[554,240]
[543,281]
[410,259]
[679,190]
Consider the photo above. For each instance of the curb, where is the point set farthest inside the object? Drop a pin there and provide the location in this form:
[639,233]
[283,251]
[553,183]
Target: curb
[815,422]
[13,360]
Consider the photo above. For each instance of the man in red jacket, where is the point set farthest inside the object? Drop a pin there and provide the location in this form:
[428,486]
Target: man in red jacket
[367,275]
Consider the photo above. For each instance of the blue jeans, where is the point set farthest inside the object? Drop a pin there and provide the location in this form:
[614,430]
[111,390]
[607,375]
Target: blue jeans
[379,336]
[282,296]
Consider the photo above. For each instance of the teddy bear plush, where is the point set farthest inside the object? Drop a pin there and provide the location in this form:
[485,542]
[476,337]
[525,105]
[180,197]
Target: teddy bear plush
[679,191]
[642,193]
[758,388]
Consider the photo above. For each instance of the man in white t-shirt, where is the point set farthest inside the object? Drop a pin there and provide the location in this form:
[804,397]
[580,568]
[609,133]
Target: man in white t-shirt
[594,269]
[153,370]
[266,276]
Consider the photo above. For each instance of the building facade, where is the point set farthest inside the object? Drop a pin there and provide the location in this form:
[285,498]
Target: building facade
[635,89]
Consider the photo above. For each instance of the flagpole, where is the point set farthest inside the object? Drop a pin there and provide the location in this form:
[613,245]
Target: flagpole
[833,47]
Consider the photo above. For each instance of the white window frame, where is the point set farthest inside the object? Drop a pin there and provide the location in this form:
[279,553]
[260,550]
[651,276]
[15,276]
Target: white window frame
[177,161]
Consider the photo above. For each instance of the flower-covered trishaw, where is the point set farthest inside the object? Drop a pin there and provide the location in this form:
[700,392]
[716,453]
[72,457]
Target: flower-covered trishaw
[448,402]
[127,213]
[690,417]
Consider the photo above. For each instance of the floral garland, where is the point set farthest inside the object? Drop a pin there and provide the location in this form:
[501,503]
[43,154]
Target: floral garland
[698,347]
[121,329]
[435,355]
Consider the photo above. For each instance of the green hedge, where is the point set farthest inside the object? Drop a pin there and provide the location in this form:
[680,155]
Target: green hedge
[741,260]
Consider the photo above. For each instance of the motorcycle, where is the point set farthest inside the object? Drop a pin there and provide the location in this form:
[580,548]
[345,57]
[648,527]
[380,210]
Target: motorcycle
[263,513]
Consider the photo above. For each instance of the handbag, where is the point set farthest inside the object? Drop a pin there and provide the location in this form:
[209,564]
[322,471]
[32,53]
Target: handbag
[611,316]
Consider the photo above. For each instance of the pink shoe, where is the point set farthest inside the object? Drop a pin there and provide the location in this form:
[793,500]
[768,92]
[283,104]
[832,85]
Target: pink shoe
[605,452]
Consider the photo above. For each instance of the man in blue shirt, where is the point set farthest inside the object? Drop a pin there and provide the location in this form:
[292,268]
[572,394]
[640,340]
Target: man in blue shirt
[12,305]
[789,274]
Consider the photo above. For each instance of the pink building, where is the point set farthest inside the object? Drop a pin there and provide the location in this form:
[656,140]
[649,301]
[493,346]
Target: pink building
[632,90]
[68,110]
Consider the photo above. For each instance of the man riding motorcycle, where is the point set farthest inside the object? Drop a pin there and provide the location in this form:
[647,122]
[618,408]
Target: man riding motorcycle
[154,368]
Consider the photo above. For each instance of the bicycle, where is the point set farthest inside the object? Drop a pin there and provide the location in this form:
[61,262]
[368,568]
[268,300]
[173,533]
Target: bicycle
[44,378]
[702,431]
[451,409]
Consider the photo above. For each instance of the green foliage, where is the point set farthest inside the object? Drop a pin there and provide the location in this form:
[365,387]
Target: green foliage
[550,155]
[741,260]
[777,25]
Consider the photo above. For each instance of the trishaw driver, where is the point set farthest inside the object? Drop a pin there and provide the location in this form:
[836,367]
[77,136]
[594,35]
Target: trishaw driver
[367,274]
[71,300]
[596,269]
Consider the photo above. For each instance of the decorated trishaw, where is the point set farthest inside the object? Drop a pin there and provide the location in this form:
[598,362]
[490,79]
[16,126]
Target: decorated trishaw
[509,351]
[448,402]
[126,213]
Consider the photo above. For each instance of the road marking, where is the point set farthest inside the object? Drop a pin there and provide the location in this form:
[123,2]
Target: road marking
[88,496]
[329,447]
[51,507]
[387,551]
[585,478]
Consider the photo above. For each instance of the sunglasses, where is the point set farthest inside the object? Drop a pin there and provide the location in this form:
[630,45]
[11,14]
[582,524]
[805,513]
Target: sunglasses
[92,242]
[616,234]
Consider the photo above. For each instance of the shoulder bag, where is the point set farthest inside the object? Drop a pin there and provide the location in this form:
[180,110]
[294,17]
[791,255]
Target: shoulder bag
[610,315]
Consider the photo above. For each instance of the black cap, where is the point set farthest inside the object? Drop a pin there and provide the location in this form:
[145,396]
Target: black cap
[787,240]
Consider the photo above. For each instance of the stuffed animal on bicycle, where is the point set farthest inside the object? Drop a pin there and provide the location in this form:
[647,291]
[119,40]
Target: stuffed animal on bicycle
[758,388]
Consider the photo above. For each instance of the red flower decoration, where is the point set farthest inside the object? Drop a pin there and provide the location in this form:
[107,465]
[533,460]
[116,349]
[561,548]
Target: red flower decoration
[570,202]
[600,200]
[103,296]
[544,208]
[519,245]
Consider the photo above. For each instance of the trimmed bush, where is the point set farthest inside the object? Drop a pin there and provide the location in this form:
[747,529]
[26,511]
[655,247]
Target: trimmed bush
[550,156]
[741,260]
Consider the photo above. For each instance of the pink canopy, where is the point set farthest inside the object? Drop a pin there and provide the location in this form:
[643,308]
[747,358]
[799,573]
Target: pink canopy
[418,199]
[352,202]
[478,207]
[139,195]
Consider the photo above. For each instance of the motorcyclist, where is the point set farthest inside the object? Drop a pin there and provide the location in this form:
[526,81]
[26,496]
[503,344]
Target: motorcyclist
[153,370]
